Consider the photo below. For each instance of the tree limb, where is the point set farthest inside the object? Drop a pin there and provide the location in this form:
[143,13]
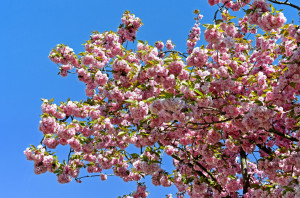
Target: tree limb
[264,149]
[285,3]
[79,178]
[246,182]
[274,131]
[206,179]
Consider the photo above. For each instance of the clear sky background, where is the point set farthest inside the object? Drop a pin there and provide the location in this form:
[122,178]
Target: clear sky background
[29,30]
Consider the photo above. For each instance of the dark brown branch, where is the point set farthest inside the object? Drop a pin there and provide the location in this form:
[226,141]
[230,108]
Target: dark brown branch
[206,179]
[42,140]
[211,182]
[221,121]
[79,178]
[65,119]
[205,170]
[246,182]
[71,150]
[264,149]
[198,164]
[274,131]
[285,3]
[220,8]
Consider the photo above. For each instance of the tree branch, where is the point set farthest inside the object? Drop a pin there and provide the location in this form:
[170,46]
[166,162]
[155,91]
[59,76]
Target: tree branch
[264,149]
[273,130]
[71,150]
[63,120]
[79,178]
[246,183]
[285,3]
[221,121]
[208,181]
[220,8]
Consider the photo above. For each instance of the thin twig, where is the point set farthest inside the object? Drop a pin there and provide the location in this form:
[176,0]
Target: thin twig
[285,3]
[79,178]
[65,119]
[71,150]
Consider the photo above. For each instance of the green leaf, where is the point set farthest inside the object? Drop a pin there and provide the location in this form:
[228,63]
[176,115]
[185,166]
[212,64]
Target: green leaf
[196,12]
[145,158]
[166,94]
[122,133]
[285,33]
[150,99]
[131,101]
[82,123]
[185,83]
[256,186]
[272,8]
[199,92]
[248,11]
[168,59]
[219,21]
[293,84]
[258,102]
[232,17]
[208,78]
[135,155]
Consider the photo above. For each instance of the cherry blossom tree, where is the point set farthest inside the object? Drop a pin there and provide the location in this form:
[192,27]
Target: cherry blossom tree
[225,112]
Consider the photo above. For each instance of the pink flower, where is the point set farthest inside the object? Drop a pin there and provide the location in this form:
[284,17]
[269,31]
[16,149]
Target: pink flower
[64,178]
[156,106]
[29,154]
[213,36]
[169,45]
[176,67]
[197,58]
[159,45]
[50,142]
[103,177]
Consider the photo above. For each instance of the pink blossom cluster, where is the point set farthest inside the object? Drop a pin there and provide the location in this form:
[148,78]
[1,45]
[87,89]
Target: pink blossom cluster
[43,161]
[172,104]
[214,113]
[194,36]
[259,116]
[108,41]
[130,26]
[198,57]
[97,59]
[159,45]
[64,55]
[139,193]
[139,112]
[293,32]
[263,18]
[213,2]
[169,45]
[213,35]
[176,67]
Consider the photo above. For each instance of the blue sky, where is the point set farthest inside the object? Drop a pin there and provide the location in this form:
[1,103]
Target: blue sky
[29,30]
